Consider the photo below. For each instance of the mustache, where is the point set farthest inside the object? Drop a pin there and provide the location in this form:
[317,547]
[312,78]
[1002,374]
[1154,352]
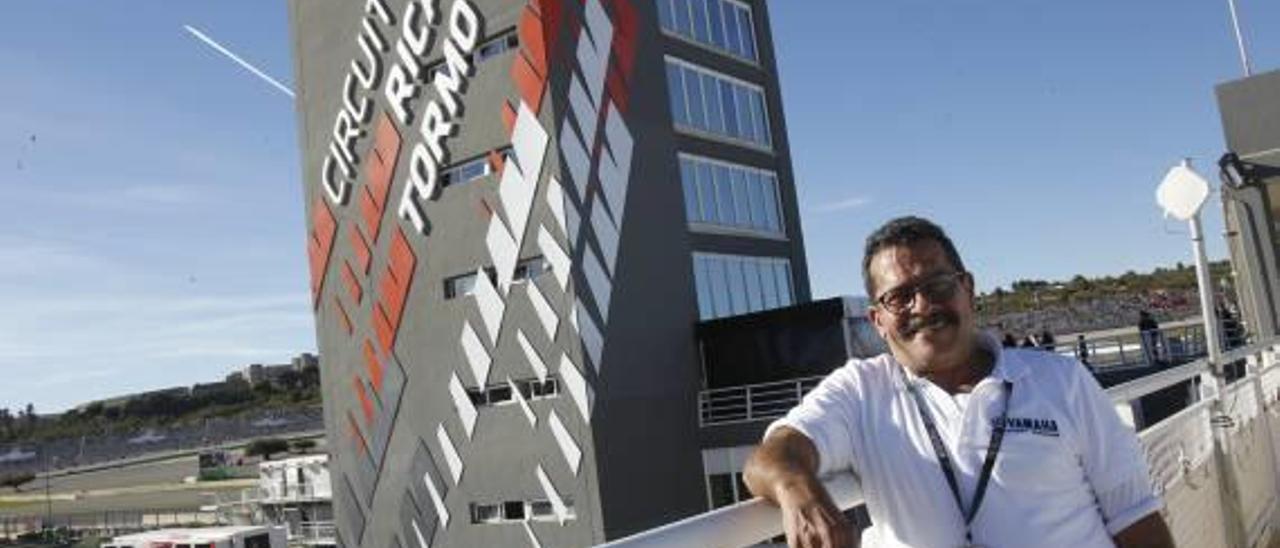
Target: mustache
[941,318]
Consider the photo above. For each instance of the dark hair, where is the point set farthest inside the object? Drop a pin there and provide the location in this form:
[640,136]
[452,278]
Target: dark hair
[905,231]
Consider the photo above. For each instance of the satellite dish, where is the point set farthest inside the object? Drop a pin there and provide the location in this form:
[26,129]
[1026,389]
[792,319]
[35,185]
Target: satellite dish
[1183,192]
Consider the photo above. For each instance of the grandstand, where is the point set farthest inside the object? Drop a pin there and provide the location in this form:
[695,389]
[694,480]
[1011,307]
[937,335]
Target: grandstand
[82,451]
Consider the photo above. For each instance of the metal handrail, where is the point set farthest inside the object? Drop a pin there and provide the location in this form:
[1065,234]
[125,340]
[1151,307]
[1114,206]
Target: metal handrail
[314,532]
[752,521]
[741,524]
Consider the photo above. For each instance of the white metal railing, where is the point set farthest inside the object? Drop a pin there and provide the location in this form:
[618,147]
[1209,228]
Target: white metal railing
[767,401]
[313,532]
[1176,343]
[275,495]
[1214,462]
[752,402]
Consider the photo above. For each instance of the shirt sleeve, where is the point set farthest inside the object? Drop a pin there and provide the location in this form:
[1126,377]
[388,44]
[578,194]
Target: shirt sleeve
[827,416]
[1112,456]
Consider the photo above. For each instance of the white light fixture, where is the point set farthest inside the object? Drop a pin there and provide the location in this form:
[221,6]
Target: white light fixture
[1182,194]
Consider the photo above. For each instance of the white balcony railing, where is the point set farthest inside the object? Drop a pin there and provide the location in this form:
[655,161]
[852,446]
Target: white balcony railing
[1214,463]
[259,495]
[314,533]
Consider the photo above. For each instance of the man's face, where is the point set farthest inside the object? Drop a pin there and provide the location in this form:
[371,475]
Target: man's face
[923,306]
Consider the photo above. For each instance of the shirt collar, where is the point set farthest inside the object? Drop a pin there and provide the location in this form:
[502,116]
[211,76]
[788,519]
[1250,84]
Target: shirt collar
[1007,367]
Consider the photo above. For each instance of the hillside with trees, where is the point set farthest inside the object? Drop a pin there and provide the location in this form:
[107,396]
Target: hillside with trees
[1088,304]
[175,407]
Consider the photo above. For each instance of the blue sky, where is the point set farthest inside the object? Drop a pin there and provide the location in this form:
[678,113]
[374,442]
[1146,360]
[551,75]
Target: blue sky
[151,228]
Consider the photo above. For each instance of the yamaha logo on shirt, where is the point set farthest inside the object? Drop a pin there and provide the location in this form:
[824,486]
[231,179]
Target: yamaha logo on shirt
[1040,427]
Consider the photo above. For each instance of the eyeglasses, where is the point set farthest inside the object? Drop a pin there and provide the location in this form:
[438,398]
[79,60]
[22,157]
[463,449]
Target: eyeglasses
[936,288]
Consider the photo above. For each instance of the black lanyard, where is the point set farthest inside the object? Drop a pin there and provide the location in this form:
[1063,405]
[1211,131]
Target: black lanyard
[944,458]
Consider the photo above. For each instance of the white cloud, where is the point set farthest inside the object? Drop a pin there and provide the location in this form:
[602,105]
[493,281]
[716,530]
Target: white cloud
[841,205]
[110,197]
[167,194]
[26,257]
[71,341]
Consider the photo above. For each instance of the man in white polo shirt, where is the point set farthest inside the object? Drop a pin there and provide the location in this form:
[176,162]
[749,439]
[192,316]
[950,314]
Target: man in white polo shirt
[956,441]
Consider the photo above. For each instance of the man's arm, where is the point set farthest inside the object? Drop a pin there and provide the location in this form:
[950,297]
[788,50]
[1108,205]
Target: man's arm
[1117,470]
[1148,532]
[784,470]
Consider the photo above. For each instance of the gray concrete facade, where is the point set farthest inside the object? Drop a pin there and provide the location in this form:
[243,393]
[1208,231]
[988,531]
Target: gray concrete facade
[436,397]
[1251,126]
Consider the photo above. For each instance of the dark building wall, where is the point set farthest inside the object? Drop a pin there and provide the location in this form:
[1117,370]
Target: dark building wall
[645,427]
[1251,125]
[393,343]
[1251,117]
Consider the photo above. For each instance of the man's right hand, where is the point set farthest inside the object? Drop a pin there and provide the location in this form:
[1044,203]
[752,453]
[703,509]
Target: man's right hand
[811,520]
[784,470]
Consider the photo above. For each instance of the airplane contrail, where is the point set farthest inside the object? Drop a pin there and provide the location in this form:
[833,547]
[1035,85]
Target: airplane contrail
[215,45]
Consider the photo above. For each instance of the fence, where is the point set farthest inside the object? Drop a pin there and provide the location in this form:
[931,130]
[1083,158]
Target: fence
[106,522]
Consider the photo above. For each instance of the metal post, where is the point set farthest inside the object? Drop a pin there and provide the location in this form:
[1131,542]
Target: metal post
[1206,296]
[1235,24]
[1228,492]
[48,501]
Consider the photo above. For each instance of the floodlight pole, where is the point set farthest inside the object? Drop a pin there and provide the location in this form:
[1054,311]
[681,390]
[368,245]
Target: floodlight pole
[1235,24]
[1206,294]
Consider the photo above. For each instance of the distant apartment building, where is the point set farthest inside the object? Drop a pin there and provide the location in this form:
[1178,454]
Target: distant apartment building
[256,373]
[241,379]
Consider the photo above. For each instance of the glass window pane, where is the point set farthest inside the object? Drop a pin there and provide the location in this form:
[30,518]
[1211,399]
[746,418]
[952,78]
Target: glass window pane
[664,15]
[499,394]
[755,195]
[732,37]
[716,23]
[746,125]
[706,308]
[759,119]
[748,34]
[541,509]
[681,16]
[744,493]
[724,196]
[706,192]
[711,90]
[469,285]
[721,486]
[689,180]
[784,283]
[741,209]
[769,286]
[486,513]
[730,108]
[719,287]
[737,286]
[675,87]
[693,85]
[699,9]
[755,301]
[770,184]
[513,510]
